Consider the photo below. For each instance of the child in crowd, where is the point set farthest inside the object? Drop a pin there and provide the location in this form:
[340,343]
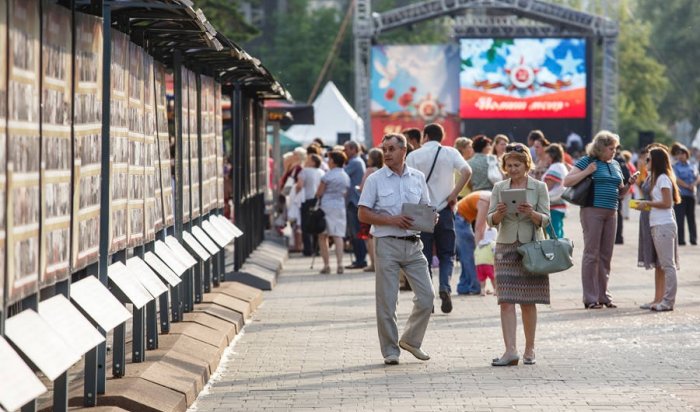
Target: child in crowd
[484,260]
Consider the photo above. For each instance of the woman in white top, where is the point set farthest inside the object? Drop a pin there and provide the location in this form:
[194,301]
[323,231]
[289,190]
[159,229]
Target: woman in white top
[308,181]
[664,194]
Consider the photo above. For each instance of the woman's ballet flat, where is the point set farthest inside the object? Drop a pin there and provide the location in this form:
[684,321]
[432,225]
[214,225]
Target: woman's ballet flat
[506,361]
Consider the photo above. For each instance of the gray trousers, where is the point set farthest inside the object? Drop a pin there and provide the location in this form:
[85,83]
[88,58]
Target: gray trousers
[393,254]
[599,227]
[664,237]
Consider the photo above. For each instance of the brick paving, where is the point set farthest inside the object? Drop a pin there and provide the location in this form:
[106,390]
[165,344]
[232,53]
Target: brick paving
[313,346]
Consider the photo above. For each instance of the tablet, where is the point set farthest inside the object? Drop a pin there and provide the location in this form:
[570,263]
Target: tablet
[512,198]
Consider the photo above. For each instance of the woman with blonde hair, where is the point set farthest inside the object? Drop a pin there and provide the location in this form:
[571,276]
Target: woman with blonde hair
[500,141]
[599,215]
[664,194]
[514,285]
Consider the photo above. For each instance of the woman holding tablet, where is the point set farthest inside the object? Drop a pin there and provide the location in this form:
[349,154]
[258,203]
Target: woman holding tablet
[513,284]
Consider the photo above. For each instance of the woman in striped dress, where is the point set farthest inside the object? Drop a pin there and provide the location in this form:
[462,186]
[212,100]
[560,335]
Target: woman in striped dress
[513,284]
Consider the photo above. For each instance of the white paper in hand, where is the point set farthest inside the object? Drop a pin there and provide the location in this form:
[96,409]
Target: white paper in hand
[423,216]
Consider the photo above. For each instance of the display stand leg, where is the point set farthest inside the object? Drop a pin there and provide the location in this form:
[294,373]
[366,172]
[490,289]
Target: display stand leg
[119,351]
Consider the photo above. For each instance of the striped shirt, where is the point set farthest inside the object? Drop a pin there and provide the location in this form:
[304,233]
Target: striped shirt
[606,181]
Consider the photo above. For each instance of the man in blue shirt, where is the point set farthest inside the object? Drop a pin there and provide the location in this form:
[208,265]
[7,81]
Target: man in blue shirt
[687,180]
[355,168]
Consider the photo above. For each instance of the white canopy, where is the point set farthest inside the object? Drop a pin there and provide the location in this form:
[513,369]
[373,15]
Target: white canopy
[333,115]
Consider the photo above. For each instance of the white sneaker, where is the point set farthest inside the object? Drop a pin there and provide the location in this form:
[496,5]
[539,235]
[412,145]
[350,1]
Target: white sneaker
[392,360]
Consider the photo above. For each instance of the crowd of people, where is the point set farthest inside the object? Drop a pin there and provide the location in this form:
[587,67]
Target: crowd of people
[362,192]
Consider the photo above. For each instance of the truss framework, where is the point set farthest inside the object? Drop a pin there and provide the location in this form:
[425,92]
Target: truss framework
[559,21]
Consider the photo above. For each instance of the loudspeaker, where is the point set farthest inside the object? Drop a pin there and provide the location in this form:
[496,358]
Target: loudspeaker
[646,138]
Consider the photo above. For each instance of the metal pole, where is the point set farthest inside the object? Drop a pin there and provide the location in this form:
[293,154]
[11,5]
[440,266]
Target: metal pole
[176,303]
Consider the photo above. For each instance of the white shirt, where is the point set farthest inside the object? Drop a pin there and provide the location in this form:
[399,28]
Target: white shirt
[661,216]
[442,181]
[385,192]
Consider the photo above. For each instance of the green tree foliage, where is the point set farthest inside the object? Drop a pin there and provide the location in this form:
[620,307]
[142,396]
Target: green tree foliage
[676,43]
[298,45]
[642,80]
[226,18]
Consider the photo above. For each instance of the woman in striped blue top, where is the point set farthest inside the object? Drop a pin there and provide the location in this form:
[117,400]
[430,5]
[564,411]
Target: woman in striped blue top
[599,215]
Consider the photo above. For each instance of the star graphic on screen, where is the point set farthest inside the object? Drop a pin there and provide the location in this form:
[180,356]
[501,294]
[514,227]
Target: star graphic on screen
[569,64]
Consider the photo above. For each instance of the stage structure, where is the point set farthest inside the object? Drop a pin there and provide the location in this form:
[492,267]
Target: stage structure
[492,19]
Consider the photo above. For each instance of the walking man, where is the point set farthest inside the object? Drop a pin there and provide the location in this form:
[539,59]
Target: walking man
[355,168]
[397,247]
[439,164]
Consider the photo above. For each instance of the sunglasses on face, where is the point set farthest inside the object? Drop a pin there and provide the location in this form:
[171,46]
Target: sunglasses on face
[515,148]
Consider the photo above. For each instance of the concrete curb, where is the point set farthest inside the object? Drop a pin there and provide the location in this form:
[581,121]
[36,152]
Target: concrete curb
[178,370]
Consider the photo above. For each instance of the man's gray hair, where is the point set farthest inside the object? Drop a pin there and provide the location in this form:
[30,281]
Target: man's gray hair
[353,144]
[401,139]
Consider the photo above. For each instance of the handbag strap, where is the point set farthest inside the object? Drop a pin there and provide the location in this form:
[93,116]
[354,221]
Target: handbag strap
[433,166]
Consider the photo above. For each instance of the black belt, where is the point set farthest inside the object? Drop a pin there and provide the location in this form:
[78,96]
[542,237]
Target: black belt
[413,238]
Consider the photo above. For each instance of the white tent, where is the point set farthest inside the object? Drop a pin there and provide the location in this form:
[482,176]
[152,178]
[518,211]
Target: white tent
[333,116]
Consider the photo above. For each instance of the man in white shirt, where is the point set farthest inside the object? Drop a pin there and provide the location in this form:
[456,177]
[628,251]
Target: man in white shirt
[439,164]
[397,247]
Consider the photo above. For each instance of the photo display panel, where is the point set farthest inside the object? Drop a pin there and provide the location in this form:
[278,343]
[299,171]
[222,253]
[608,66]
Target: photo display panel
[24,147]
[135,203]
[219,144]
[194,132]
[208,145]
[87,129]
[164,146]
[155,155]
[186,200]
[57,152]
[149,142]
[119,140]
[3,142]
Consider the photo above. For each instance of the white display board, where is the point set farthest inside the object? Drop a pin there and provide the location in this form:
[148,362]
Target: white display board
[24,387]
[180,251]
[162,269]
[168,256]
[40,343]
[129,285]
[98,303]
[220,238]
[205,240]
[139,269]
[236,231]
[194,245]
[70,324]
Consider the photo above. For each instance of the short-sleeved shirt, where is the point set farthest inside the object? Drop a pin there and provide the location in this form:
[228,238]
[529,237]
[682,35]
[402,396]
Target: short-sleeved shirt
[685,172]
[337,184]
[311,176]
[442,181]
[606,181]
[385,192]
[468,206]
[661,216]
[356,170]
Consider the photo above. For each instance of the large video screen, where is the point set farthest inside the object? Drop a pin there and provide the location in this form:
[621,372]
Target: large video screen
[523,78]
[413,86]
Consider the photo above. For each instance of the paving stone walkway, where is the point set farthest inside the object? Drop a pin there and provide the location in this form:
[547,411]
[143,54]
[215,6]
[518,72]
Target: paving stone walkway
[313,346]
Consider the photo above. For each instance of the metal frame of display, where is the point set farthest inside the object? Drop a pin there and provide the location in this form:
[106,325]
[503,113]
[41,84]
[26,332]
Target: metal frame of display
[175,34]
[558,20]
